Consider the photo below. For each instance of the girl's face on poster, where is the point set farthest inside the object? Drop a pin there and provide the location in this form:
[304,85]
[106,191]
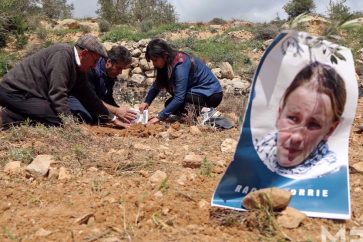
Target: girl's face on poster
[303,122]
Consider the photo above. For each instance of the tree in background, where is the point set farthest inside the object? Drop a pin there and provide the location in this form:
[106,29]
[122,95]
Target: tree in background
[15,16]
[338,11]
[136,11]
[114,11]
[158,11]
[57,9]
[296,7]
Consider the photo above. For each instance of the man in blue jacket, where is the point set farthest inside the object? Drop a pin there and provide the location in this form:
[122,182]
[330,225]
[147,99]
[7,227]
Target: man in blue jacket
[102,79]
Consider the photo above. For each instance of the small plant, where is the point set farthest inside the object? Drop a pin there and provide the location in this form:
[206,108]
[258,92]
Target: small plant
[104,25]
[79,152]
[264,218]
[96,186]
[7,232]
[164,186]
[159,223]
[190,117]
[6,62]
[25,155]
[21,41]
[206,168]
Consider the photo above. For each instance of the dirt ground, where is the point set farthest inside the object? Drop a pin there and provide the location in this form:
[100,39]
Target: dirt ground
[110,194]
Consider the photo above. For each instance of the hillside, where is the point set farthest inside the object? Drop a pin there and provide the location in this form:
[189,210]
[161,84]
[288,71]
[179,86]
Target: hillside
[107,184]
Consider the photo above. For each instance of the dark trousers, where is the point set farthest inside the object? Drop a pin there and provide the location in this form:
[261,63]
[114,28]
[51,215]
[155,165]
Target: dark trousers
[198,102]
[19,107]
[79,111]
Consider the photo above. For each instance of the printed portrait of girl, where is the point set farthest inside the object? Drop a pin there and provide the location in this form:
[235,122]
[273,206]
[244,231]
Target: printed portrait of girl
[309,111]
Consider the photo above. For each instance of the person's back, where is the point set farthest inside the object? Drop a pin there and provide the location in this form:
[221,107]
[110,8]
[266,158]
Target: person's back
[41,75]
[203,81]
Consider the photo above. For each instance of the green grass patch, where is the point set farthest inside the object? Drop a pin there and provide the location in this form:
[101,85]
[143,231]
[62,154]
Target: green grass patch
[7,61]
[25,155]
[219,49]
[206,168]
[125,32]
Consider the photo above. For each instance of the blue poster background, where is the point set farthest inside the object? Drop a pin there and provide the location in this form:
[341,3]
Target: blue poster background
[326,196]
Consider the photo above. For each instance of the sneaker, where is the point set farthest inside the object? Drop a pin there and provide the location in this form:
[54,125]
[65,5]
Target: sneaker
[208,114]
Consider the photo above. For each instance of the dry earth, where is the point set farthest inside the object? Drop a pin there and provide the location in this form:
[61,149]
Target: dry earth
[111,193]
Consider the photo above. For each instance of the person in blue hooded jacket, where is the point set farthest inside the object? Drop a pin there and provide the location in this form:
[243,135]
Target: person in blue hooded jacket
[185,77]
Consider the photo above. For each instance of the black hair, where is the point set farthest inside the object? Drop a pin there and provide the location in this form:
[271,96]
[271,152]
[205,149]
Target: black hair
[119,54]
[159,48]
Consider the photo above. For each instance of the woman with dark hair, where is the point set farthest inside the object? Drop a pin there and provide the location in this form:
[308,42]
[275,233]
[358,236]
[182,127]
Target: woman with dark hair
[186,78]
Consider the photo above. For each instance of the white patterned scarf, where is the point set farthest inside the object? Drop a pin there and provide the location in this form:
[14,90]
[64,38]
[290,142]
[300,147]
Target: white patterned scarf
[319,162]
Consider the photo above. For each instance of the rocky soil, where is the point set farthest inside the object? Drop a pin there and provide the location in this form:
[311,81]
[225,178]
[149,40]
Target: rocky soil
[143,184]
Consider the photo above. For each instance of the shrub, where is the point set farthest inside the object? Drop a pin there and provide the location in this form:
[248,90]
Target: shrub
[21,41]
[104,25]
[218,21]
[266,31]
[296,7]
[146,26]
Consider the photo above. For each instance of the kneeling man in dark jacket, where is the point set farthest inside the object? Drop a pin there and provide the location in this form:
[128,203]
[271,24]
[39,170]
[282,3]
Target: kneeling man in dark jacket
[38,87]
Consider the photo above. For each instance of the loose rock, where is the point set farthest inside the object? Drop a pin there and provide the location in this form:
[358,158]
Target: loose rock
[13,167]
[276,198]
[64,174]
[158,177]
[40,165]
[228,145]
[193,161]
[290,218]
[358,167]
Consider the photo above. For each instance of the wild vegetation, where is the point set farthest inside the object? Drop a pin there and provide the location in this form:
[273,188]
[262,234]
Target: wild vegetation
[111,169]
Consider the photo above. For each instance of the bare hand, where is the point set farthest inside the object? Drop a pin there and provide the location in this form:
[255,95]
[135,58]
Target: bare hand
[120,124]
[143,106]
[153,121]
[125,114]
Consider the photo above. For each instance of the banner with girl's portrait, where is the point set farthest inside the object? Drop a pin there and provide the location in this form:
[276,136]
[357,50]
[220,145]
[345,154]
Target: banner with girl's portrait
[295,133]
